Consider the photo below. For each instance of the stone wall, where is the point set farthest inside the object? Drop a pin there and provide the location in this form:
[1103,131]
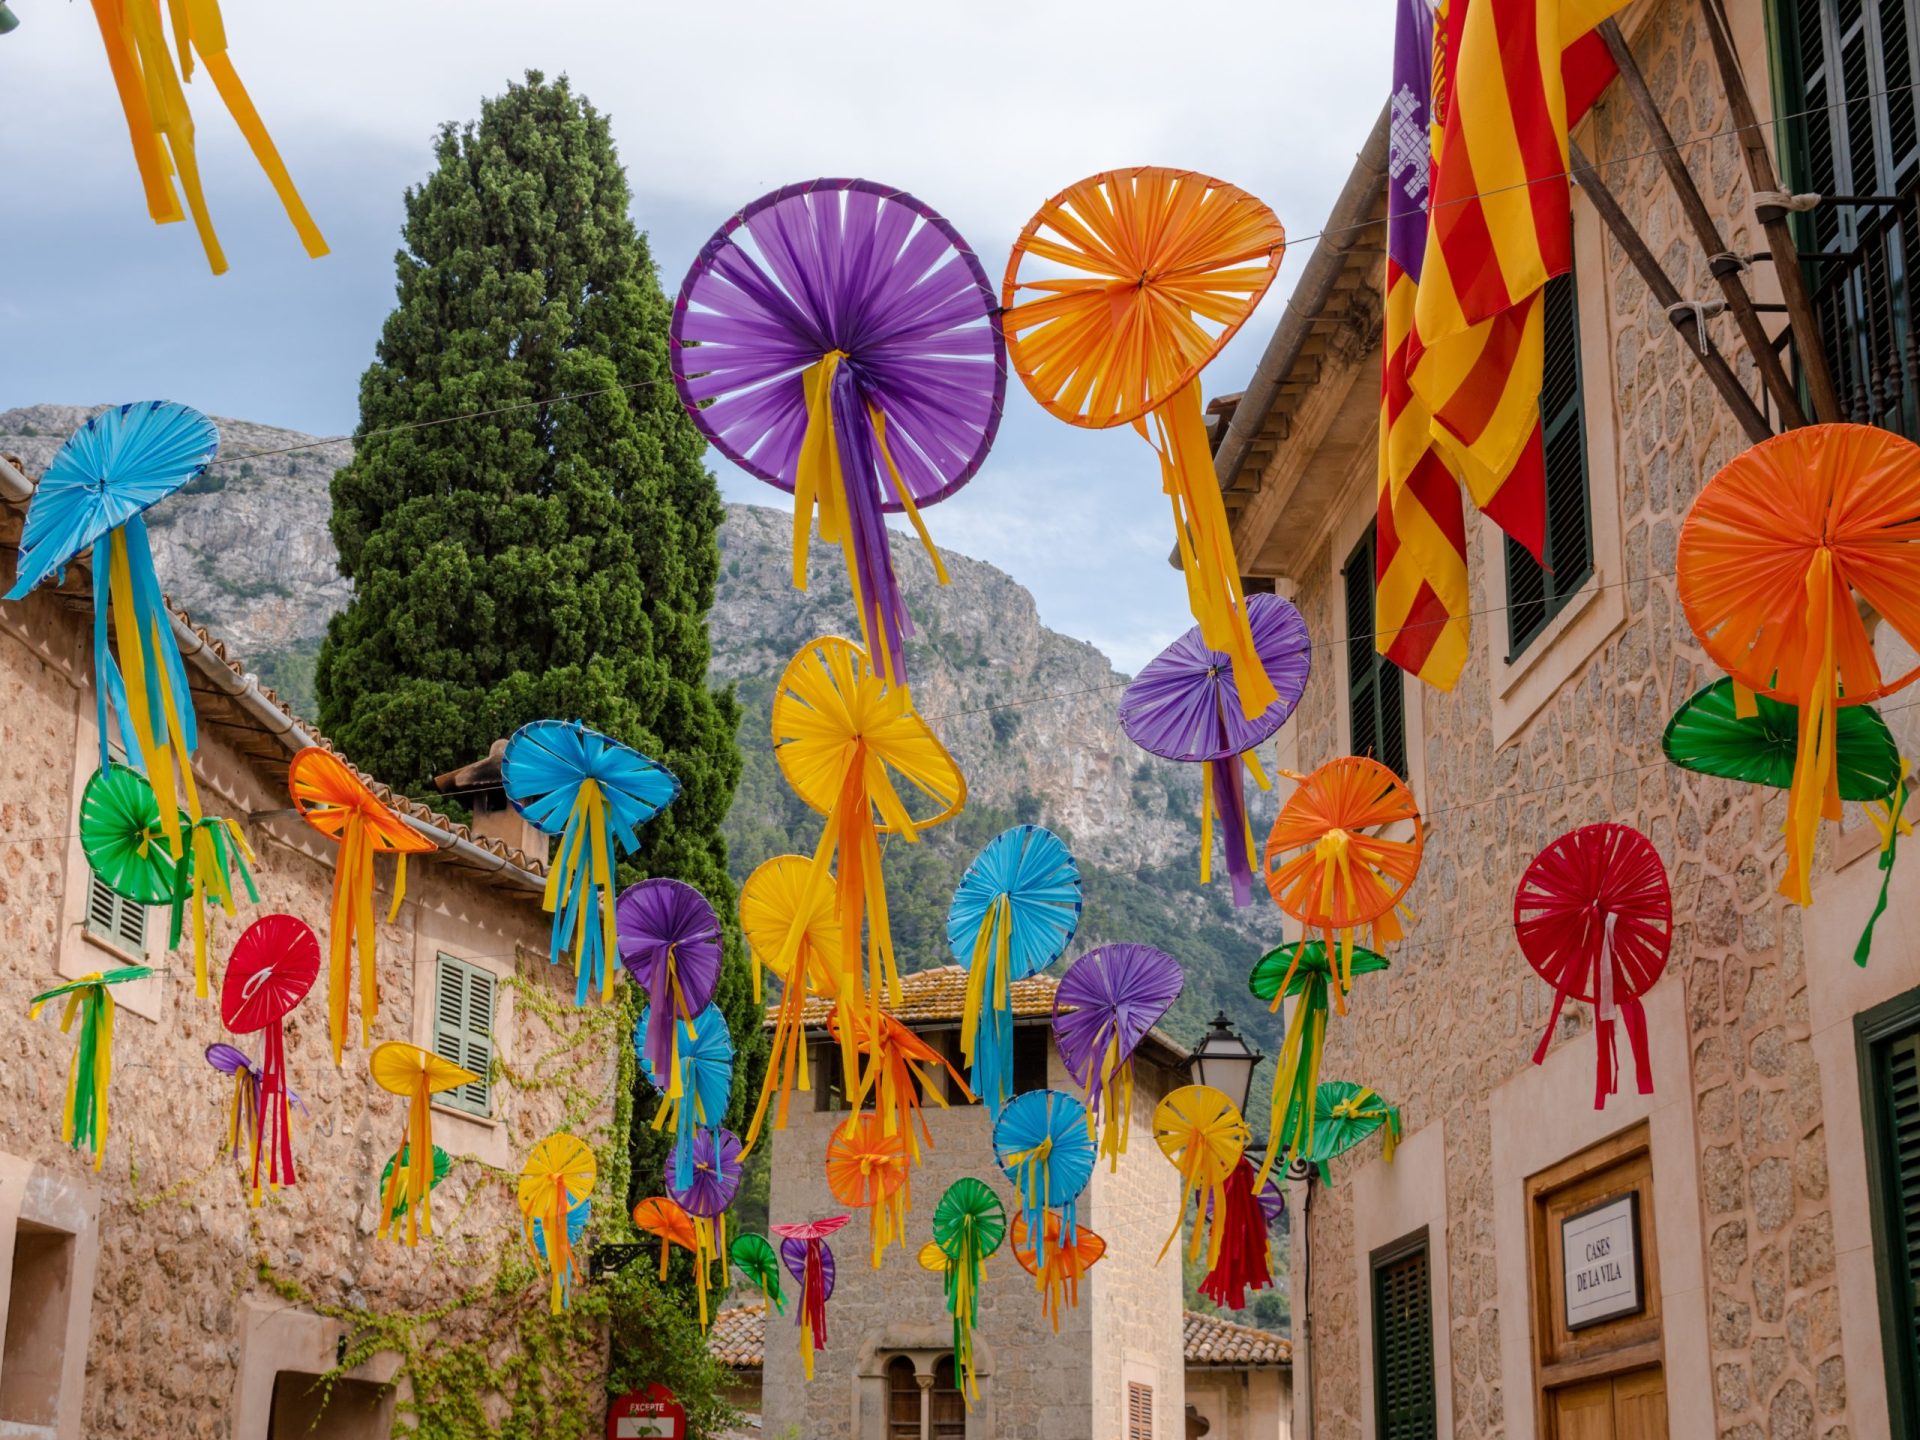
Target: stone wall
[189,1278]
[1460,1011]
[1034,1384]
[1138,1310]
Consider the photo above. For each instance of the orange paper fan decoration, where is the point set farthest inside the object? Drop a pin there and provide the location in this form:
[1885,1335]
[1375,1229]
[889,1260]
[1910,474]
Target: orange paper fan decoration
[1060,1278]
[867,1169]
[657,1215]
[1329,868]
[897,1068]
[333,799]
[1118,292]
[1771,559]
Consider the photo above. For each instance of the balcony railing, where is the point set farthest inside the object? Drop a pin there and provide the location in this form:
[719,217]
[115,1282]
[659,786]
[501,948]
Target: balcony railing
[1863,301]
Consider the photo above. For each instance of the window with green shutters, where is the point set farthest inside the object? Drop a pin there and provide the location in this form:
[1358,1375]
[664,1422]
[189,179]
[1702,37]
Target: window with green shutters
[1889,1048]
[463,1028]
[1403,1396]
[1535,592]
[1844,73]
[1376,701]
[121,922]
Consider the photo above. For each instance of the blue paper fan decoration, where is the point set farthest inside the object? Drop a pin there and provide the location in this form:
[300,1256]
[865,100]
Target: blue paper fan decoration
[595,794]
[1014,913]
[703,1053]
[101,481]
[1044,1145]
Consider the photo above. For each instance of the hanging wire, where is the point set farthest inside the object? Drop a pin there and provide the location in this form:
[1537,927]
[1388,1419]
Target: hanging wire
[1703,138]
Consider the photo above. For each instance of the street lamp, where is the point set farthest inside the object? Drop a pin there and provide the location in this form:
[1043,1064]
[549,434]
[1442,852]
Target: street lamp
[1225,1061]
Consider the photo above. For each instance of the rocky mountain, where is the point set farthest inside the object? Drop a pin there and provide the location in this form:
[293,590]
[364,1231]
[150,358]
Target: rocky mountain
[1030,714]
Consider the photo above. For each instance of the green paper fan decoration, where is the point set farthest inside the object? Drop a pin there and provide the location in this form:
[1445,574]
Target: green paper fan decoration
[1302,971]
[754,1257]
[442,1167]
[1344,1114]
[1707,734]
[125,841]
[968,1225]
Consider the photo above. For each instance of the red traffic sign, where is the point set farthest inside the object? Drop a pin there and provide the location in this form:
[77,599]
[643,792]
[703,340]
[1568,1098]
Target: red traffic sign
[649,1414]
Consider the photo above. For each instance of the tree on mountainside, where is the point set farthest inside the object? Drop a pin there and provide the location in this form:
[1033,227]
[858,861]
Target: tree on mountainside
[555,557]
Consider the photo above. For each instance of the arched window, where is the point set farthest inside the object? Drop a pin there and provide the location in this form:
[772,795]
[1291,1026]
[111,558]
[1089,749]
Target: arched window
[949,1407]
[917,1412]
[903,1400]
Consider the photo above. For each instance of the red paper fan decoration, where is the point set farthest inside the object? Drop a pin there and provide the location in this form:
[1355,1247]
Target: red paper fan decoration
[272,968]
[1595,920]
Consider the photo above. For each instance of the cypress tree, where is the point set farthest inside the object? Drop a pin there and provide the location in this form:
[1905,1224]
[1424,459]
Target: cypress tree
[555,558]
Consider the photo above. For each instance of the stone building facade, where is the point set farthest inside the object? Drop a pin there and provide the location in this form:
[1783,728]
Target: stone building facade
[147,1298]
[1239,1380]
[1752,1161]
[1122,1340]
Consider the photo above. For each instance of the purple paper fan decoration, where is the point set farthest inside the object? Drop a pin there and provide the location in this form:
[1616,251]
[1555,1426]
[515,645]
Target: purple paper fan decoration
[1116,992]
[670,943]
[869,272]
[793,1253]
[716,1174]
[1185,706]
[230,1060]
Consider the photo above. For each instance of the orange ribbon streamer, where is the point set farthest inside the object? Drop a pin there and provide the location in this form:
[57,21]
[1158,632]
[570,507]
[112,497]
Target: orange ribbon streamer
[160,124]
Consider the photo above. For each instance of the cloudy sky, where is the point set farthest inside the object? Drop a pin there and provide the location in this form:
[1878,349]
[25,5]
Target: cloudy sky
[982,108]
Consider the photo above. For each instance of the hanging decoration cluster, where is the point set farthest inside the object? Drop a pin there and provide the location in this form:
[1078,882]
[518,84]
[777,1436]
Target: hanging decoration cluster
[1779,557]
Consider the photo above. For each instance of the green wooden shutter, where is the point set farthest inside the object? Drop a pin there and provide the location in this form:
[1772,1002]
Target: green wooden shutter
[1376,702]
[1537,593]
[463,1029]
[1891,1075]
[1404,1405]
[114,918]
[1844,74]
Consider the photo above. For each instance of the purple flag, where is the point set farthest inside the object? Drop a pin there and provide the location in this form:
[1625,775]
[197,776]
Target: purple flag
[1409,139]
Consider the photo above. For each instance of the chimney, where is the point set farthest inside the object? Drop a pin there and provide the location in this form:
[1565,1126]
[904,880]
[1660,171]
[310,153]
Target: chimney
[480,788]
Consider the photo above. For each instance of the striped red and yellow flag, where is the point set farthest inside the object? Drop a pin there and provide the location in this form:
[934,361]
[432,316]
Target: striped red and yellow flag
[1420,555]
[1516,74]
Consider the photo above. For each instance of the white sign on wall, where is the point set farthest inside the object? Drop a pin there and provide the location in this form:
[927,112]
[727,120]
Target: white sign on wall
[1600,1259]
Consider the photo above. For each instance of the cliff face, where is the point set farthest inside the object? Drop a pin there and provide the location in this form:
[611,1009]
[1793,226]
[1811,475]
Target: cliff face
[1031,715]
[245,547]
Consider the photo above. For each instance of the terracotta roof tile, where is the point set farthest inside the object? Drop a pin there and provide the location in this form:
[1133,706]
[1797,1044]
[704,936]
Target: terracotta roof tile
[941,994]
[404,804]
[1213,1341]
[739,1336]
[738,1339]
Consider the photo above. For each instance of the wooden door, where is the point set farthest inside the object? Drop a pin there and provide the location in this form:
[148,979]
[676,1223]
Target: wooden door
[1614,1407]
[1602,1381]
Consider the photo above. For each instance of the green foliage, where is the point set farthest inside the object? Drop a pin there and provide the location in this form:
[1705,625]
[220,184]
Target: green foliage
[657,1341]
[555,559]
[289,674]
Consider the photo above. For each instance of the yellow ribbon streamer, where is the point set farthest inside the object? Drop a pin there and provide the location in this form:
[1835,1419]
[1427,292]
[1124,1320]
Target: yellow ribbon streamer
[1207,557]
